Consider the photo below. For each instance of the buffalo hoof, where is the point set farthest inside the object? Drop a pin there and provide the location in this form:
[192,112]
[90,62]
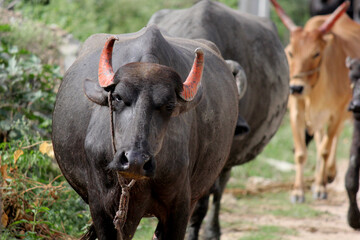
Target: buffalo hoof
[214,237]
[353,218]
[297,198]
[212,234]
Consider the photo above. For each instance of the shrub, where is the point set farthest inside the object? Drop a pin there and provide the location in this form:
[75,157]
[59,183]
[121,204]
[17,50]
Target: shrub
[37,201]
[27,90]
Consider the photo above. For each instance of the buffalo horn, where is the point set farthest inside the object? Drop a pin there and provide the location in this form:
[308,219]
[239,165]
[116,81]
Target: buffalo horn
[330,21]
[105,72]
[192,83]
[289,24]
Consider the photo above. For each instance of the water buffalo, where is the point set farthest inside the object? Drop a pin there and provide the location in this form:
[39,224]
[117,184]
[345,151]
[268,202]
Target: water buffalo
[143,124]
[252,42]
[352,174]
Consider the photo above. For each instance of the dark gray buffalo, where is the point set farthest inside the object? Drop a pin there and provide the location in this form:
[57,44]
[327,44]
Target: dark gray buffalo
[172,133]
[352,173]
[252,42]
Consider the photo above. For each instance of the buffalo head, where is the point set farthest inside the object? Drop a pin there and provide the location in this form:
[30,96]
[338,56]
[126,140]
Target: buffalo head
[305,50]
[143,97]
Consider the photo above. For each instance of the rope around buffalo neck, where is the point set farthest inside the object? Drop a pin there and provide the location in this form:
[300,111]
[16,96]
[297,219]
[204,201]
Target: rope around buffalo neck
[120,216]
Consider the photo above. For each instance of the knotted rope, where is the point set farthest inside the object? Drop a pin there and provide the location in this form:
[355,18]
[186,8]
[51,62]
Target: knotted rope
[120,216]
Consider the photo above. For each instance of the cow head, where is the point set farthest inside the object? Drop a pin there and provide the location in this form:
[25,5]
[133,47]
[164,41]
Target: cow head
[354,75]
[144,96]
[305,50]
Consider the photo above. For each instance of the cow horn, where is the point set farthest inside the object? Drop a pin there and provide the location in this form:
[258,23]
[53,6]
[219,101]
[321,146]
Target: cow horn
[330,21]
[105,72]
[289,24]
[192,82]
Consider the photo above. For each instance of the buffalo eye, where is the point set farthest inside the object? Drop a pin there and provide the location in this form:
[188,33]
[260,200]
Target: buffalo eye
[170,107]
[316,55]
[290,54]
[117,98]
[120,100]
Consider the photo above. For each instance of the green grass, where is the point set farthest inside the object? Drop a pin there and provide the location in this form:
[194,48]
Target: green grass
[146,229]
[269,232]
[281,148]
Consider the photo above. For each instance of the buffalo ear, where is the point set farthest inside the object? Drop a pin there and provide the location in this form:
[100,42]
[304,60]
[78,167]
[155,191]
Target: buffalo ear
[95,93]
[348,62]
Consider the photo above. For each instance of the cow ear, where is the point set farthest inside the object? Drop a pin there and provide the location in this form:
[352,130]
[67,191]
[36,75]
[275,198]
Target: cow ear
[184,106]
[328,37]
[95,93]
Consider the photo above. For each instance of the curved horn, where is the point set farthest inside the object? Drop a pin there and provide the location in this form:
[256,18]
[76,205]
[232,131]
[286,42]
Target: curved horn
[289,24]
[330,21]
[105,72]
[192,82]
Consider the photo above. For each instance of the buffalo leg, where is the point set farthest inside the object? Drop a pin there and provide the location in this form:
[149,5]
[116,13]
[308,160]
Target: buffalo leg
[173,226]
[197,217]
[103,224]
[352,178]
[212,229]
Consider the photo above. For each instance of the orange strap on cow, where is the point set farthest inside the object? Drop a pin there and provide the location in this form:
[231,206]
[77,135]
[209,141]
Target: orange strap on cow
[105,71]
[192,83]
[327,25]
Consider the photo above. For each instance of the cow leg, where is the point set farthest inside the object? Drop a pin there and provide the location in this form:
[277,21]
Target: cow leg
[297,120]
[212,229]
[328,142]
[197,217]
[331,162]
[352,178]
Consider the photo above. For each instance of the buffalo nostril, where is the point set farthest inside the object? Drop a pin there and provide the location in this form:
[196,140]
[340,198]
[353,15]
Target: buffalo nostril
[148,165]
[124,160]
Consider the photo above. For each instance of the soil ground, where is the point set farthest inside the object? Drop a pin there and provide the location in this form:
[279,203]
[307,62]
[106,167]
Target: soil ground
[332,225]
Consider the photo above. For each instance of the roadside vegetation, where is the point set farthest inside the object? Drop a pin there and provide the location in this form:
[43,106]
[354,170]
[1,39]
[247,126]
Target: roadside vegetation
[36,201]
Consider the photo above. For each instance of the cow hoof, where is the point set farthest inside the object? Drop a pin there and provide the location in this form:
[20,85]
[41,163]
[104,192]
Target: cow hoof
[297,199]
[319,195]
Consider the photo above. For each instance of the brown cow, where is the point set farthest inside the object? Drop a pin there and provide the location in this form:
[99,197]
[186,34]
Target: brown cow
[320,91]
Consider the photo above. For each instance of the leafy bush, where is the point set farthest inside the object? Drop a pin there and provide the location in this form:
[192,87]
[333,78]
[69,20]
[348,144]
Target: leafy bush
[27,90]
[86,17]
[37,201]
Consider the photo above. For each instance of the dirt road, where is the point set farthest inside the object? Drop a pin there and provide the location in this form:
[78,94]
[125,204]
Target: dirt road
[330,224]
